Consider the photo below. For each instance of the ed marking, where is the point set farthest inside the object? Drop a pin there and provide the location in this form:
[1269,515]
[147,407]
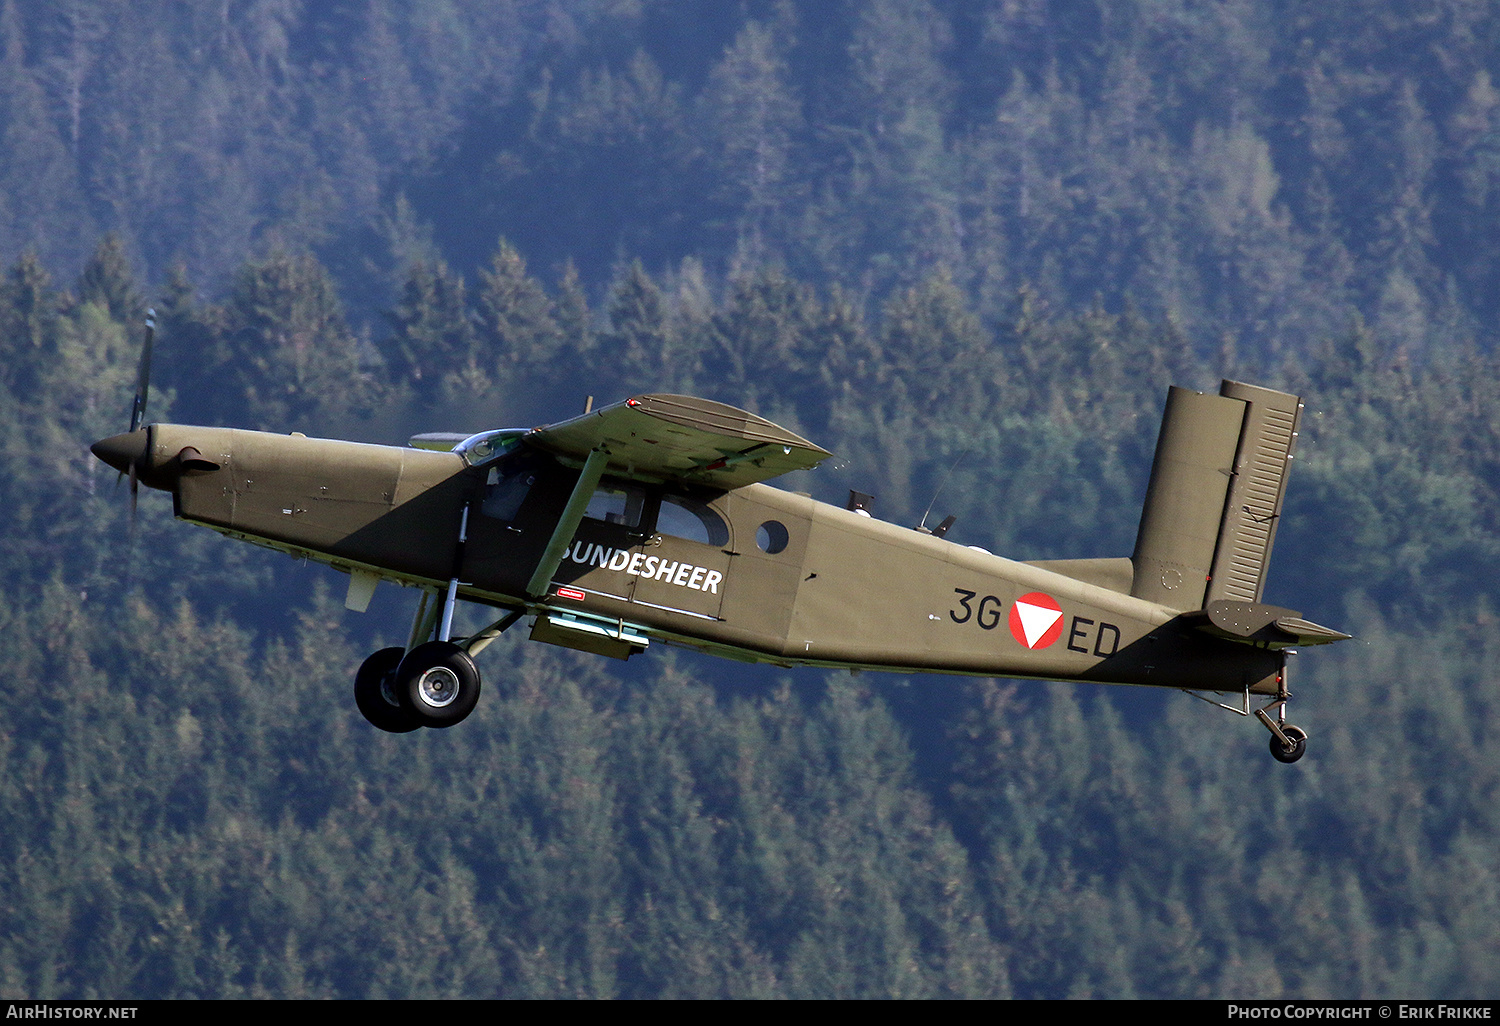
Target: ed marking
[1079,631]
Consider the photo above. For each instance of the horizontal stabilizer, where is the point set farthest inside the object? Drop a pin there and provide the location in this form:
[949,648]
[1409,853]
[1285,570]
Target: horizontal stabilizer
[1308,633]
[1255,623]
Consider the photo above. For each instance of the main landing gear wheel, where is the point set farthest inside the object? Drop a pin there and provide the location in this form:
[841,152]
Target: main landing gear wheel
[1298,738]
[374,692]
[437,684]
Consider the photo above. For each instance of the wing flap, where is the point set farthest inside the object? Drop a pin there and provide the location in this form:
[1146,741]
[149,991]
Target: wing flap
[681,438]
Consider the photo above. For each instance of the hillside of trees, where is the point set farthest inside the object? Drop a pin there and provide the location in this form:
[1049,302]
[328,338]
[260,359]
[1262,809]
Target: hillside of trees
[964,246]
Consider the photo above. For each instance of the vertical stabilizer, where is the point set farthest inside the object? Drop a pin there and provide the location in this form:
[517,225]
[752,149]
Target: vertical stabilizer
[1214,496]
[1256,491]
[1184,508]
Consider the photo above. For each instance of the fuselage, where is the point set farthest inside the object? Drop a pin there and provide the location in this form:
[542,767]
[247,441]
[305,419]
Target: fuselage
[753,573]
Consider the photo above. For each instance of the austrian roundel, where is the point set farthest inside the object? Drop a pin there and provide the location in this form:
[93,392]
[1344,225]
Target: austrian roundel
[1036,620]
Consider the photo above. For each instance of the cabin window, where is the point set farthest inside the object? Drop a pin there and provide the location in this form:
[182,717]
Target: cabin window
[682,517]
[771,537]
[617,505]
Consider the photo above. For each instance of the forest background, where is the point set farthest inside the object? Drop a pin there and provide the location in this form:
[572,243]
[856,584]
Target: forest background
[982,236]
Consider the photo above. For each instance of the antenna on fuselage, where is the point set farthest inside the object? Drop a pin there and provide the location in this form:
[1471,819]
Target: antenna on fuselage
[942,529]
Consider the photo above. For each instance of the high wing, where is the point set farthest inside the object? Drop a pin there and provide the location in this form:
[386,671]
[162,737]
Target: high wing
[659,438]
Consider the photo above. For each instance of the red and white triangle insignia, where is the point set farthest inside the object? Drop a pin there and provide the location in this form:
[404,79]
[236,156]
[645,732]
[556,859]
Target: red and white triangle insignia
[1036,620]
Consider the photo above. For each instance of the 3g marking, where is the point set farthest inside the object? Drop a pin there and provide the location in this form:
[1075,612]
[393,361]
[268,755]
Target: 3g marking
[988,615]
[1084,635]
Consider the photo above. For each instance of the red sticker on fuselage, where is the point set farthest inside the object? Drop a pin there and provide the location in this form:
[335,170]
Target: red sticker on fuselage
[1036,620]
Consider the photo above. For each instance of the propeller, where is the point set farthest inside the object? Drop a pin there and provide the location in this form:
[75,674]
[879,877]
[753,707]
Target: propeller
[134,453]
[125,452]
[143,374]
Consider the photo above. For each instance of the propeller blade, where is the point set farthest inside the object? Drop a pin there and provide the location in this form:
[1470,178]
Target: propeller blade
[143,378]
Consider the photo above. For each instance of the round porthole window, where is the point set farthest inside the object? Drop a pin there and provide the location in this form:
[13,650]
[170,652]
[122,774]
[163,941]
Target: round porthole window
[771,536]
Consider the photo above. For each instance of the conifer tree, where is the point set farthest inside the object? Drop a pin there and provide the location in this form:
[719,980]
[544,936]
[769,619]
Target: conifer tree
[517,333]
[431,333]
[108,281]
[291,354]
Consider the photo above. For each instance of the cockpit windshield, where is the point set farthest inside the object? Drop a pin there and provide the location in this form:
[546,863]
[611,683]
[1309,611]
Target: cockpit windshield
[480,449]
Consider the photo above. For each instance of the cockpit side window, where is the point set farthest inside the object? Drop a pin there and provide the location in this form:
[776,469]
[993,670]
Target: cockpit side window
[506,488]
[682,517]
[616,504]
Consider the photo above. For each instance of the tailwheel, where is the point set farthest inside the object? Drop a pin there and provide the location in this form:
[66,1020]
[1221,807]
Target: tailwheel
[437,684]
[375,695]
[1289,752]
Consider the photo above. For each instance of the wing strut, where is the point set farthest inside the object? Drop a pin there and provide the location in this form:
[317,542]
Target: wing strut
[567,524]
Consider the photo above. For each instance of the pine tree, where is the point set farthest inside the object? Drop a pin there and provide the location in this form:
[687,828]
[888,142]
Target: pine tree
[108,281]
[641,343]
[517,333]
[291,354]
[763,342]
[431,333]
[752,116]
[29,312]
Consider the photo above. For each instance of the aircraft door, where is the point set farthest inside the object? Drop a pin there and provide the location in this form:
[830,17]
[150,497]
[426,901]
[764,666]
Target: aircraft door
[608,543]
[768,566]
[686,559]
[511,520]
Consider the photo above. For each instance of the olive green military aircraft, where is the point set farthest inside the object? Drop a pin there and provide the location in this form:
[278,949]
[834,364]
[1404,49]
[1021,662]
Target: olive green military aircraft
[649,521]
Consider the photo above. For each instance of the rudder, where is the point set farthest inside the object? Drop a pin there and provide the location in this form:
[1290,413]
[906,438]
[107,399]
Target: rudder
[1256,491]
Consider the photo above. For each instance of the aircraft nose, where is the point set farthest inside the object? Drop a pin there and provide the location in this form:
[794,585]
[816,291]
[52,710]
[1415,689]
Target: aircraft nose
[120,451]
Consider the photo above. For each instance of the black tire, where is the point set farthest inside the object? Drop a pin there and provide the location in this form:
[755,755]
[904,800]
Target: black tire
[1297,736]
[375,692]
[437,684]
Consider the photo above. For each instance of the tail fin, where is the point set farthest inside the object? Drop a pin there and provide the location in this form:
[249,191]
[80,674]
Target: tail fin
[1215,495]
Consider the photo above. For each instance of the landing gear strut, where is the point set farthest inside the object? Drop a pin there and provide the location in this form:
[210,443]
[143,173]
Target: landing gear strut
[1288,743]
[426,684]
